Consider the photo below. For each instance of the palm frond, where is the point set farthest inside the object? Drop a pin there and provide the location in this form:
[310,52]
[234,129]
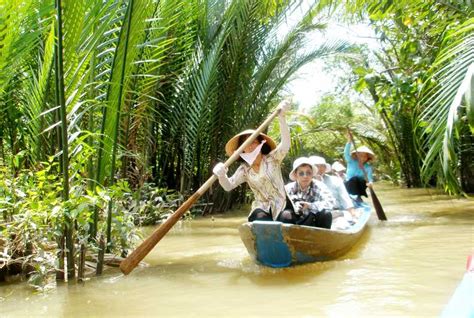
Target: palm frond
[35,104]
[21,28]
[127,49]
[452,73]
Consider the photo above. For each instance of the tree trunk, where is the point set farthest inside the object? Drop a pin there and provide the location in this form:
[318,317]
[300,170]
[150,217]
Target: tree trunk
[82,263]
[60,257]
[2,153]
[100,256]
[467,159]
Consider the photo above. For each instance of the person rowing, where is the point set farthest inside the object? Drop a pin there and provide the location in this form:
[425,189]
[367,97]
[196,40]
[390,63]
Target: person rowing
[260,168]
[359,170]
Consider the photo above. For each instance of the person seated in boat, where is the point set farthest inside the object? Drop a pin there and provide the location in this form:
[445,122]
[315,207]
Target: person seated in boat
[312,200]
[335,185]
[356,183]
[261,168]
[339,170]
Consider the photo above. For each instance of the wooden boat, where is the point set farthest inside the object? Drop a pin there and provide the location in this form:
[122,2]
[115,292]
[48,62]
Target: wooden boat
[277,244]
[461,303]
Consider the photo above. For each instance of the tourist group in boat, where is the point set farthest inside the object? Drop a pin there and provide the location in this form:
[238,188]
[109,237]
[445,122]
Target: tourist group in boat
[318,194]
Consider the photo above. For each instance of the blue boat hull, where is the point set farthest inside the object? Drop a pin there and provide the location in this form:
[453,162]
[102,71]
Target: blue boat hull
[276,244]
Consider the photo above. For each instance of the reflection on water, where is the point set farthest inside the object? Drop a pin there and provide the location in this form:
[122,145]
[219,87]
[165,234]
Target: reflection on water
[408,266]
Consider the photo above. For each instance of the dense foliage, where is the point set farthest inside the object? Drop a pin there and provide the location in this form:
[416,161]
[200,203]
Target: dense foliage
[420,82]
[323,132]
[116,94]
[111,111]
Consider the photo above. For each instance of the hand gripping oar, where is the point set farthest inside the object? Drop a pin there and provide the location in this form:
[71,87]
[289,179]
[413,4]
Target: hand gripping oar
[375,201]
[128,264]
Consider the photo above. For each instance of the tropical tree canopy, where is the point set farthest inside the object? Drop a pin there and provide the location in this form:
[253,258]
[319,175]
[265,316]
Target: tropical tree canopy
[99,99]
[102,92]
[420,83]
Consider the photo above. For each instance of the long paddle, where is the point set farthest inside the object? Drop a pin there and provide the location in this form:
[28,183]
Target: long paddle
[128,264]
[375,201]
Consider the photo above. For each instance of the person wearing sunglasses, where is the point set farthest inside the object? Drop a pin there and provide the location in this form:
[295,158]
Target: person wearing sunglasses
[312,200]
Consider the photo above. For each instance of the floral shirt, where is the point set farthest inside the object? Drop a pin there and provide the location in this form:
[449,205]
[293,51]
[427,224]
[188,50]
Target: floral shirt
[266,184]
[317,194]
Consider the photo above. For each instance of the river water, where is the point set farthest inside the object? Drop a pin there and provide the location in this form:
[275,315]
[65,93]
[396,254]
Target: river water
[408,266]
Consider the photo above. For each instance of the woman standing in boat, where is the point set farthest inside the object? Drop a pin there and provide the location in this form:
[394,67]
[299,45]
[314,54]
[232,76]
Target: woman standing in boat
[312,200]
[358,161]
[261,169]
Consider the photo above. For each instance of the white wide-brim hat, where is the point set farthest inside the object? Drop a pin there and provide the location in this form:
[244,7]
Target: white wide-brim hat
[366,150]
[338,167]
[317,160]
[298,163]
[233,143]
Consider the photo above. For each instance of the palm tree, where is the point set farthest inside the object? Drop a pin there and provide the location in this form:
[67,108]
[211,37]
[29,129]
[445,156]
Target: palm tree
[447,113]
[417,46]
[195,77]
[151,87]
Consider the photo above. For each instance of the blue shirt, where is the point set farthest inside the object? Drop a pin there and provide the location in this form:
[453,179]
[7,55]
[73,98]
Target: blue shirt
[353,169]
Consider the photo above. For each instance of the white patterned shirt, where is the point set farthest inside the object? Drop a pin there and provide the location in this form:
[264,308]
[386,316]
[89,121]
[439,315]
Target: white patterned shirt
[267,184]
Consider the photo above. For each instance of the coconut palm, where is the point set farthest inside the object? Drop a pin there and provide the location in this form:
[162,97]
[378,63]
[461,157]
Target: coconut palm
[148,88]
[236,68]
[447,119]
[412,42]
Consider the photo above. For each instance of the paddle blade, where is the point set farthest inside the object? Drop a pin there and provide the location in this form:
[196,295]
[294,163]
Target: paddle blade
[378,207]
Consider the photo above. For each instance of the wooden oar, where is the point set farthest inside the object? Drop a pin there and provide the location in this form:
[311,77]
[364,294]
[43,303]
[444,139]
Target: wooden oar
[146,246]
[375,201]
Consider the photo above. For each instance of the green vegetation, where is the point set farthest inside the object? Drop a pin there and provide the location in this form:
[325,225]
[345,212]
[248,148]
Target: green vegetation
[427,48]
[112,111]
[416,106]
[117,94]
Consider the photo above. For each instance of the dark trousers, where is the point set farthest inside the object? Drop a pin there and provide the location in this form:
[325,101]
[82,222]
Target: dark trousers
[320,219]
[356,186]
[260,215]
[286,216]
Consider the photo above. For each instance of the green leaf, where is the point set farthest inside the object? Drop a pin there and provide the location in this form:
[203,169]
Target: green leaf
[360,85]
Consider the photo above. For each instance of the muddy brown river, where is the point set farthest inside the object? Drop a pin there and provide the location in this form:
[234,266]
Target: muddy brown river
[408,266]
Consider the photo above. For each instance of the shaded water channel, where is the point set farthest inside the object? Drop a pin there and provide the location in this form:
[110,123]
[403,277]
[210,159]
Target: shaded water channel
[408,266]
